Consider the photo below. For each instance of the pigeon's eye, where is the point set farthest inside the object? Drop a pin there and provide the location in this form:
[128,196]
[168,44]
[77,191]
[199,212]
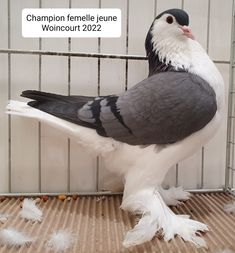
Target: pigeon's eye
[169,20]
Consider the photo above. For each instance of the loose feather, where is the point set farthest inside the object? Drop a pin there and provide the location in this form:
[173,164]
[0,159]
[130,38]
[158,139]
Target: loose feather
[230,208]
[3,217]
[60,241]
[13,238]
[226,251]
[30,211]
[174,195]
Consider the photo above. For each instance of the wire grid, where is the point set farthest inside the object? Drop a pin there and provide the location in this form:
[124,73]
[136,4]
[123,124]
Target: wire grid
[231,118]
[230,159]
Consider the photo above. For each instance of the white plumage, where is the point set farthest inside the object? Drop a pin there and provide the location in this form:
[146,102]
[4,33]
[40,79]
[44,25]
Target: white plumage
[143,168]
[230,208]
[30,211]
[13,238]
[60,241]
[3,217]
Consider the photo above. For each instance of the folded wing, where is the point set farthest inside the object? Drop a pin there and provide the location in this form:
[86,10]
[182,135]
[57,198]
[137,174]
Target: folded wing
[162,109]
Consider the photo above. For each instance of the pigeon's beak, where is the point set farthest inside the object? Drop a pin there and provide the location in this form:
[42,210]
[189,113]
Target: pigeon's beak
[187,32]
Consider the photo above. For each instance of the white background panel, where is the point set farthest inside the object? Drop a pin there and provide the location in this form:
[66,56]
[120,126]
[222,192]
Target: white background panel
[115,45]
[190,171]
[4,23]
[163,5]
[137,71]
[3,99]
[3,124]
[112,82]
[220,29]
[141,14]
[24,132]
[198,14]
[18,42]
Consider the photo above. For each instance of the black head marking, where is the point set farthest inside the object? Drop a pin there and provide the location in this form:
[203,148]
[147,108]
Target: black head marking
[155,65]
[180,15]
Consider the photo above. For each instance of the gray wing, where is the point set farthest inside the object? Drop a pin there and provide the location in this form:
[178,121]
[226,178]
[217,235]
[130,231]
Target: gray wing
[162,109]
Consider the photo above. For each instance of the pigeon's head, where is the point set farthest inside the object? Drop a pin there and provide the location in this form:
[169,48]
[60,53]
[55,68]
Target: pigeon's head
[168,36]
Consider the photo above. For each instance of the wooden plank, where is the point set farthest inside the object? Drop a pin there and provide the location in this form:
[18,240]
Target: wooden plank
[24,133]
[84,76]
[3,99]
[54,145]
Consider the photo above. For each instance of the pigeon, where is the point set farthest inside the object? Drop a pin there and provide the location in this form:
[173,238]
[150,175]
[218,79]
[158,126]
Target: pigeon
[144,131]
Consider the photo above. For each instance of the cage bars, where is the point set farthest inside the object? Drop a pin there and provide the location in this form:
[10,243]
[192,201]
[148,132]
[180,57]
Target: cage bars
[9,51]
[9,95]
[229,172]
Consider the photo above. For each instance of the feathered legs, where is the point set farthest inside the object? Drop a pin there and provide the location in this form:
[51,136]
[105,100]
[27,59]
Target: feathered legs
[142,197]
[174,195]
[155,216]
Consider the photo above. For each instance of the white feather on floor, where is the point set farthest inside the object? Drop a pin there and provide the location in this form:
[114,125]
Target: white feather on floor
[3,218]
[226,251]
[13,238]
[30,211]
[230,208]
[60,241]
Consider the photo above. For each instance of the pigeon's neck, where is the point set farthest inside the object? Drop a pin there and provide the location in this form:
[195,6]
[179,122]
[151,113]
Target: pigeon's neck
[157,66]
[168,55]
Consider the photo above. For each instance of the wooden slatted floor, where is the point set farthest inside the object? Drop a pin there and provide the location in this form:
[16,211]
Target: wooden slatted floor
[100,225]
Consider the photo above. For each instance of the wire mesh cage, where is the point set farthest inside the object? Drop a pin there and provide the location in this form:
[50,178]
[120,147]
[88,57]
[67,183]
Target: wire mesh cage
[229,180]
[37,158]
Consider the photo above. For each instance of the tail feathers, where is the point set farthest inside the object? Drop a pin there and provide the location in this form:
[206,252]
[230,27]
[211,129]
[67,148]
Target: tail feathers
[41,96]
[64,107]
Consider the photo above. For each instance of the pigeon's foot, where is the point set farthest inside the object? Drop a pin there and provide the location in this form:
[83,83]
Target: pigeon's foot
[158,217]
[144,231]
[174,195]
[186,228]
